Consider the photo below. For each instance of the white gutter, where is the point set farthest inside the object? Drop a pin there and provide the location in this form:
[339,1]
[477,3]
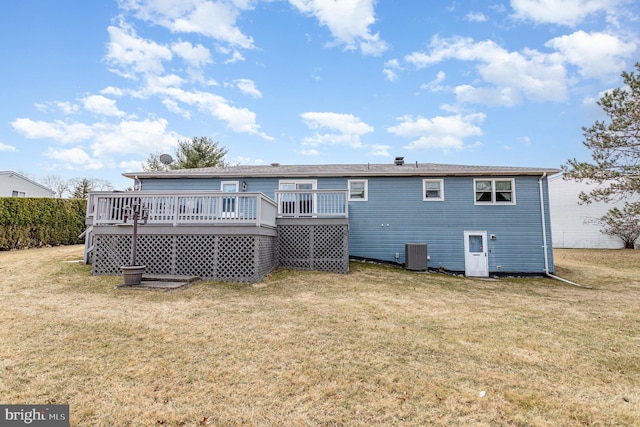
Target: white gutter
[544,239]
[544,224]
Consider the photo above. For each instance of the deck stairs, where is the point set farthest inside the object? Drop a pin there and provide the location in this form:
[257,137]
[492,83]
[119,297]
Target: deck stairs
[162,282]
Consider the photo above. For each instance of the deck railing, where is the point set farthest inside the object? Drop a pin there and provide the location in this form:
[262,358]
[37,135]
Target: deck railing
[186,208]
[312,203]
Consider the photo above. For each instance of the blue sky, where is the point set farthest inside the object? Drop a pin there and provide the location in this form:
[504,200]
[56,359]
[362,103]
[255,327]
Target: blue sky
[91,88]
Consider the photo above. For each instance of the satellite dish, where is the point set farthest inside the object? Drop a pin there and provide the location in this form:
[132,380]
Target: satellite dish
[166,159]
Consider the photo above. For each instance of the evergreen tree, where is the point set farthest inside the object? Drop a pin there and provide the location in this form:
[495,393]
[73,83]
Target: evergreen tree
[615,145]
[199,152]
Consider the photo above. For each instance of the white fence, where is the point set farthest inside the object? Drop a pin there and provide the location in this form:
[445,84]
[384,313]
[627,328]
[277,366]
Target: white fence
[312,203]
[198,208]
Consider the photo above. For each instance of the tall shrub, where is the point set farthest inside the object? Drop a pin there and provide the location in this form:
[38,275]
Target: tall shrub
[36,222]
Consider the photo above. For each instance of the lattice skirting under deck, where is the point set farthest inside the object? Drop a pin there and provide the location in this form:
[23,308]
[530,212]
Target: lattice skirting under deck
[234,258]
[314,247]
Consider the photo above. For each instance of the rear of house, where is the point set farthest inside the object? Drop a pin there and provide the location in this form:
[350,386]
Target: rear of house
[475,220]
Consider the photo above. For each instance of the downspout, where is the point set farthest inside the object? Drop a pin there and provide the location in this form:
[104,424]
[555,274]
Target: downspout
[544,238]
[544,224]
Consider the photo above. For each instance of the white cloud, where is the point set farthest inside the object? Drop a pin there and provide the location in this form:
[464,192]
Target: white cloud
[195,56]
[447,133]
[346,129]
[434,85]
[248,87]
[113,91]
[379,150]
[174,107]
[348,21]
[240,120]
[565,12]
[65,106]
[101,105]
[475,17]
[215,19]
[235,57]
[511,75]
[132,55]
[391,68]
[6,147]
[345,123]
[132,137]
[132,165]
[309,152]
[242,160]
[106,139]
[74,158]
[58,130]
[595,54]
[525,140]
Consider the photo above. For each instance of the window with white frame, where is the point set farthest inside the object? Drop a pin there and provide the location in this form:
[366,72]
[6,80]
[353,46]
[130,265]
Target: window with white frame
[432,190]
[229,206]
[16,193]
[358,190]
[494,191]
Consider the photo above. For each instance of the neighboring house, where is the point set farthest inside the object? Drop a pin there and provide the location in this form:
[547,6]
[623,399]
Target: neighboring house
[574,225]
[13,184]
[238,223]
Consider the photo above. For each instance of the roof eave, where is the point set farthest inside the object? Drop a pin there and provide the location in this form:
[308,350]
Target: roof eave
[329,174]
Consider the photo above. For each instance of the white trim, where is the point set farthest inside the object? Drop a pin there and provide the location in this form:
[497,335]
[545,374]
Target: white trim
[493,191]
[424,190]
[366,190]
[236,183]
[230,204]
[476,263]
[313,182]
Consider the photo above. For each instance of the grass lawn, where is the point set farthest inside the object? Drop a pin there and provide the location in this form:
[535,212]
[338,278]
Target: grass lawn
[379,346]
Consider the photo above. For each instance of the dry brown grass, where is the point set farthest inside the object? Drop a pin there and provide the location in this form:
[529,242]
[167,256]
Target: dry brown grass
[378,346]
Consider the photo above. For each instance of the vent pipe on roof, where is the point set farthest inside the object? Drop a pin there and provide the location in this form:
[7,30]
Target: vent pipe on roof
[399,161]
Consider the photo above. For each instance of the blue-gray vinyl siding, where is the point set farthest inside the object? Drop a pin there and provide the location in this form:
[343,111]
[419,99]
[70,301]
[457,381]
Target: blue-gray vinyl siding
[395,214]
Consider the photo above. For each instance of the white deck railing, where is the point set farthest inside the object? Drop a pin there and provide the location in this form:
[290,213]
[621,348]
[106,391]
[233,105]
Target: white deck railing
[312,203]
[186,208]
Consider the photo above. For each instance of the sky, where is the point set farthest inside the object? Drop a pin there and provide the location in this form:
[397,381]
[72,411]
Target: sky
[90,89]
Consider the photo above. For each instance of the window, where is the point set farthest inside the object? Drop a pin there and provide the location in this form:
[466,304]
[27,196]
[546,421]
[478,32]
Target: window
[432,190]
[298,202]
[358,190]
[15,193]
[229,203]
[494,191]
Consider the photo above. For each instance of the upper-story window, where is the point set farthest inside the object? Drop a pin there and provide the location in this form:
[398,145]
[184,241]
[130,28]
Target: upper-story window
[358,190]
[15,193]
[432,190]
[494,191]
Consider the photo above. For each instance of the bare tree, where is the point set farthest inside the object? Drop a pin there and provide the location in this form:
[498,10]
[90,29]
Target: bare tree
[58,184]
[81,187]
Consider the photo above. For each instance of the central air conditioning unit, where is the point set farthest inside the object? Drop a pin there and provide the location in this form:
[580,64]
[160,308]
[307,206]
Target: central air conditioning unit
[416,256]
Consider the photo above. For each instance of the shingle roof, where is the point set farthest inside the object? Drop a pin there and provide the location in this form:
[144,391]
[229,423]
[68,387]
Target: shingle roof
[344,170]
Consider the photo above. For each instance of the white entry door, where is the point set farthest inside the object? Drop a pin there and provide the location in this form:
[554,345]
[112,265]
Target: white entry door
[476,259]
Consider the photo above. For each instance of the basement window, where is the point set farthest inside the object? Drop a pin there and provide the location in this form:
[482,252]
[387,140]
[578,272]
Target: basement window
[494,191]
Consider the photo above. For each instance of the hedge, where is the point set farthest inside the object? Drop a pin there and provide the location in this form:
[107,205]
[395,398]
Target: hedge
[29,222]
